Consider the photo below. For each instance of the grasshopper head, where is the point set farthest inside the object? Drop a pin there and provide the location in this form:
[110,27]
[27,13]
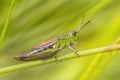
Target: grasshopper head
[73,33]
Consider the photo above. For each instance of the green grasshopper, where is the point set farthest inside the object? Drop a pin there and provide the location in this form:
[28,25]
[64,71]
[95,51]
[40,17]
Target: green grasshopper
[54,45]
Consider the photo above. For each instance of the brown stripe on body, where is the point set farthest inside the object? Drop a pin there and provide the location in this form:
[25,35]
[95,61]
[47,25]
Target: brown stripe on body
[47,43]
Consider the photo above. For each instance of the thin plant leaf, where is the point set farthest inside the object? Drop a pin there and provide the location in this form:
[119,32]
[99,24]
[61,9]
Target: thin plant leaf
[4,31]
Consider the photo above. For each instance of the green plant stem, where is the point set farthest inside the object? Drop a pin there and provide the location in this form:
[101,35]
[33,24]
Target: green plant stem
[70,56]
[4,31]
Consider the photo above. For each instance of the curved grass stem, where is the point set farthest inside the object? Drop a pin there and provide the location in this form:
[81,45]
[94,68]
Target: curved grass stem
[84,53]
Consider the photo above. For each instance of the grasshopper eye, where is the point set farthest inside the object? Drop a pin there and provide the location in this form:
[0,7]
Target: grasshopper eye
[73,33]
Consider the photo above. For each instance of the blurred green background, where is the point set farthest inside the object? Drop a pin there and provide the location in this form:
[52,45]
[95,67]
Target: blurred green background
[34,21]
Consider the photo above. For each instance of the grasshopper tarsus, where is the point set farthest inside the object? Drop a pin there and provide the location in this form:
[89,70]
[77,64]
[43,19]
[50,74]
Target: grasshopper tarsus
[56,59]
[72,47]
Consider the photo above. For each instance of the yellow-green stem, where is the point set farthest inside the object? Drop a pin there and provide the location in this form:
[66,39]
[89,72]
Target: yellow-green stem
[30,64]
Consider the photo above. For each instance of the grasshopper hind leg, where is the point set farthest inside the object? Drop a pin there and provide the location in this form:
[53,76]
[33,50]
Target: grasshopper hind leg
[56,59]
[55,55]
[72,47]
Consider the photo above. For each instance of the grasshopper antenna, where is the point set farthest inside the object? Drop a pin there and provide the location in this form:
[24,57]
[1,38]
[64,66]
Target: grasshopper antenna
[82,26]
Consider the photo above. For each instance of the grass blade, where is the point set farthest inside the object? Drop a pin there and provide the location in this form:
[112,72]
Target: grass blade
[4,31]
[70,56]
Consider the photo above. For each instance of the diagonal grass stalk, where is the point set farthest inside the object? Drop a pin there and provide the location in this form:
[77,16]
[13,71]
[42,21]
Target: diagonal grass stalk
[70,56]
[4,31]
[106,60]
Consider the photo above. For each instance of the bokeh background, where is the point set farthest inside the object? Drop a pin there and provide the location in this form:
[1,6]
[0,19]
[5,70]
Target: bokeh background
[34,21]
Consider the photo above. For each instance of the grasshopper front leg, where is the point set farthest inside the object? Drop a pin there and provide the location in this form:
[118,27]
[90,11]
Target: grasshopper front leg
[72,47]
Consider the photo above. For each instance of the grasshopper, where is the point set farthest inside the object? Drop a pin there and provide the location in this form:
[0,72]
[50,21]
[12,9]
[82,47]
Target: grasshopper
[54,45]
